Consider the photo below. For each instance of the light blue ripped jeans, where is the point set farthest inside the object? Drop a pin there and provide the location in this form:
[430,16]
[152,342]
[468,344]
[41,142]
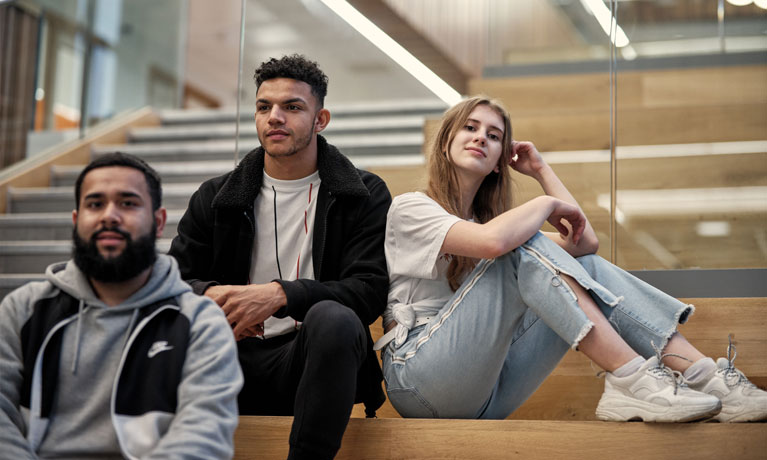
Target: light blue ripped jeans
[510,323]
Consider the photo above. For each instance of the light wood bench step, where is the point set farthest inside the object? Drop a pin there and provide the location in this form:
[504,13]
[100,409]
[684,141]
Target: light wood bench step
[267,438]
[572,391]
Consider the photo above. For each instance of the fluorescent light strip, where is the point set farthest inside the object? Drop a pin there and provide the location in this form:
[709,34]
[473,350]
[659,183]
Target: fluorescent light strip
[602,13]
[394,50]
[697,202]
[628,152]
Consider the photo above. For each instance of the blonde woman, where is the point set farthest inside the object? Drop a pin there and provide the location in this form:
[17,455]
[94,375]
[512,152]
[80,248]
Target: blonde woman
[482,305]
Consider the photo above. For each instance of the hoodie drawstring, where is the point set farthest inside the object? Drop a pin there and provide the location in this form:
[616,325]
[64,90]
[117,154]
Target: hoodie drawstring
[130,327]
[78,332]
[80,311]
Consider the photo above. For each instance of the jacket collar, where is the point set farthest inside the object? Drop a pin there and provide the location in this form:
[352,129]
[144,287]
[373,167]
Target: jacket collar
[338,175]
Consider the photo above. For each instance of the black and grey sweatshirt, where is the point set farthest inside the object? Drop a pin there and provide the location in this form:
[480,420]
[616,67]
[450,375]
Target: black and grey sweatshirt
[156,376]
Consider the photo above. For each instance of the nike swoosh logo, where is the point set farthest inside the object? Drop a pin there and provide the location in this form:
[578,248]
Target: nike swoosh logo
[158,347]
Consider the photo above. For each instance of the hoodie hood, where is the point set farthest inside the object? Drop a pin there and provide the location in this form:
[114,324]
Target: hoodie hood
[164,282]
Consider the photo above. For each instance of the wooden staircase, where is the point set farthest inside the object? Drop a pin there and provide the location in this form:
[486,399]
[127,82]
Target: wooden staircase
[558,420]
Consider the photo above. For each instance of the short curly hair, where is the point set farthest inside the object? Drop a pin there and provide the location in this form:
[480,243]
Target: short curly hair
[296,67]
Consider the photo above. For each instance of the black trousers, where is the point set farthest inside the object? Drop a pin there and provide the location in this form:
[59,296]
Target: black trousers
[310,374]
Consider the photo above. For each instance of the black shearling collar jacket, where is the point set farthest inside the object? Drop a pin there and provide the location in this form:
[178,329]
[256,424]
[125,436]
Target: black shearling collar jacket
[216,236]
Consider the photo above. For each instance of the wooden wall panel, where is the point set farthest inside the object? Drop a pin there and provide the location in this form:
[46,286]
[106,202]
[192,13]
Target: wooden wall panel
[571,112]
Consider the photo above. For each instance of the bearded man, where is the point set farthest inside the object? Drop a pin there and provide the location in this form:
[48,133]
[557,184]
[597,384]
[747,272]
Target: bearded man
[114,356]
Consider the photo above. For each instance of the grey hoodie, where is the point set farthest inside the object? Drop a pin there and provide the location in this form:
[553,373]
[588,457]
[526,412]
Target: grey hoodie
[156,376]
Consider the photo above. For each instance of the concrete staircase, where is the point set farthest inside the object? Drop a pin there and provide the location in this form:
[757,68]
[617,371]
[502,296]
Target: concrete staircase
[189,147]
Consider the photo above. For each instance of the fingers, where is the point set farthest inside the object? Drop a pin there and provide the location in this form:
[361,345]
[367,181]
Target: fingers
[578,224]
[244,321]
[230,309]
[219,294]
[525,158]
[561,228]
[239,330]
[242,331]
[255,331]
[232,315]
[522,147]
[577,232]
[568,220]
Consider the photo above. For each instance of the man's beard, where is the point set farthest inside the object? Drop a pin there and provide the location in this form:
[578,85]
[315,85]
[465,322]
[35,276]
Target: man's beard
[301,143]
[135,258]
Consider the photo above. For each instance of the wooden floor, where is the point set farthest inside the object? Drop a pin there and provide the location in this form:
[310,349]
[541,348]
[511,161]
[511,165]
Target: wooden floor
[267,438]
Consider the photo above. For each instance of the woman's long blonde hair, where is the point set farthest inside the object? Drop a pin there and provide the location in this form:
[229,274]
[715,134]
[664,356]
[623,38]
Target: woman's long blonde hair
[494,194]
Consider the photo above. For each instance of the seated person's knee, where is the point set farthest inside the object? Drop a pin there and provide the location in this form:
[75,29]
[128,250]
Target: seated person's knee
[334,325]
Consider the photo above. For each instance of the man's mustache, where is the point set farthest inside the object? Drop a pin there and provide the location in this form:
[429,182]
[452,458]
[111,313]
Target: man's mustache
[122,233]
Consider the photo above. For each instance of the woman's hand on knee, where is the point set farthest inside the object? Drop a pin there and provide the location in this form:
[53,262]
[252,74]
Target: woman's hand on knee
[564,211]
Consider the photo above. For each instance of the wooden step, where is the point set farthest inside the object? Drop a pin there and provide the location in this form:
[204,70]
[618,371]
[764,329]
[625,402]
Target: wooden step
[267,438]
[572,391]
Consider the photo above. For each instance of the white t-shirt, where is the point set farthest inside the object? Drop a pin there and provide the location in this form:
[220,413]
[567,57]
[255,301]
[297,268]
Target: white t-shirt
[415,230]
[289,256]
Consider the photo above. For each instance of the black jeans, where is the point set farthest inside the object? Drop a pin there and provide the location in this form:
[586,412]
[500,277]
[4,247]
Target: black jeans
[310,374]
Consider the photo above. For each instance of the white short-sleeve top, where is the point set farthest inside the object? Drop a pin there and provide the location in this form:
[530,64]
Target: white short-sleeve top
[415,230]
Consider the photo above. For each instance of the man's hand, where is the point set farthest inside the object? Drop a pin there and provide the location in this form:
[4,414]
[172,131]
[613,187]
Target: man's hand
[247,307]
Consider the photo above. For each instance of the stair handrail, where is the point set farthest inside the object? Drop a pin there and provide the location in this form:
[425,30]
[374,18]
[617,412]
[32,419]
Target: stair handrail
[35,171]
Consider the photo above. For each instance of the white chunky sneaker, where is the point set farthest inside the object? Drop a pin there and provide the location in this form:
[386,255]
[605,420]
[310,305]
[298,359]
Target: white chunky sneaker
[654,393]
[742,401]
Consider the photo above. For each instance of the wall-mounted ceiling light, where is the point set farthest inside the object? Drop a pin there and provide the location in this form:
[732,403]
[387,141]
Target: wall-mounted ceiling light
[761,3]
[394,50]
[603,15]
[739,2]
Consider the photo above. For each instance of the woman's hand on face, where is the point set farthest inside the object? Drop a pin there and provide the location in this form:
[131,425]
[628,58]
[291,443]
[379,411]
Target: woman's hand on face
[526,159]
[572,214]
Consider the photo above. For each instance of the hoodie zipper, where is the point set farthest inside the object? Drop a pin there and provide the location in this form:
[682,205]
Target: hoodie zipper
[36,393]
[128,345]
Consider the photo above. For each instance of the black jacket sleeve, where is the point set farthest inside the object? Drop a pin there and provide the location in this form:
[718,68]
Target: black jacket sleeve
[193,246]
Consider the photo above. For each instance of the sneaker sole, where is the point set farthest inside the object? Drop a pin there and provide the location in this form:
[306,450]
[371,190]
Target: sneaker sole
[619,408]
[724,417]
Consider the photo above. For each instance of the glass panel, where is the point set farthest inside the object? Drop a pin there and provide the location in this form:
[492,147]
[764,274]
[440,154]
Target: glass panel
[60,92]
[548,61]
[692,111]
[143,61]
[94,59]
[376,106]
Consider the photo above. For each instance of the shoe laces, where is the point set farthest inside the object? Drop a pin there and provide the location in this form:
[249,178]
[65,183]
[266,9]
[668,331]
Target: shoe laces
[733,376]
[663,371]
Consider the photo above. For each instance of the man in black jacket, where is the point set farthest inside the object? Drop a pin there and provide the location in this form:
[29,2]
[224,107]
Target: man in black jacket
[290,245]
